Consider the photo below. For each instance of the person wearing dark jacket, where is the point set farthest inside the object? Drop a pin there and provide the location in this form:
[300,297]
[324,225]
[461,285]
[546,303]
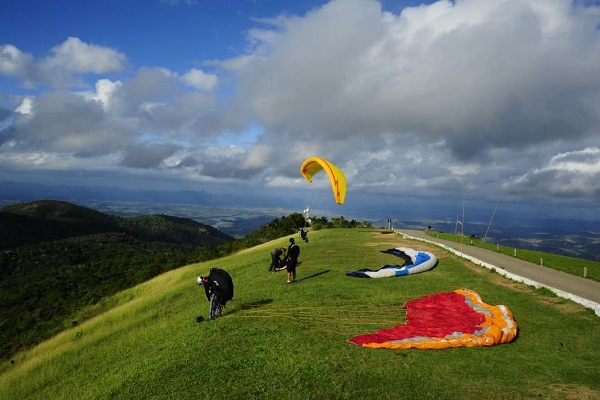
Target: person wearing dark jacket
[304,235]
[218,282]
[276,258]
[292,260]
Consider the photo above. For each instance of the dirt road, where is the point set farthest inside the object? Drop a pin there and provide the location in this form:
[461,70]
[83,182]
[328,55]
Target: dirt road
[576,288]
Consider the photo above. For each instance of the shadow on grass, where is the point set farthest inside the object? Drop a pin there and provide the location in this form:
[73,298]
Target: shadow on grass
[254,304]
[314,275]
[250,305]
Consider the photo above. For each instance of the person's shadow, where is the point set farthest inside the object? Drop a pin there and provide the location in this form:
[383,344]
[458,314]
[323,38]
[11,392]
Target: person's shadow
[259,303]
[253,304]
[249,306]
[314,275]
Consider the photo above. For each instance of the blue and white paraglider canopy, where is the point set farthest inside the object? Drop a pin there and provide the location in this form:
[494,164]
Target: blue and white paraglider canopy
[415,261]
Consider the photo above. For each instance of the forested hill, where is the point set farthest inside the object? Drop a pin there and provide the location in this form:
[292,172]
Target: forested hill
[57,257]
[48,220]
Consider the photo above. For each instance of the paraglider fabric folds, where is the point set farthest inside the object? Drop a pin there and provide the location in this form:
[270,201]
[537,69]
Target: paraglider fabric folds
[446,320]
[415,261]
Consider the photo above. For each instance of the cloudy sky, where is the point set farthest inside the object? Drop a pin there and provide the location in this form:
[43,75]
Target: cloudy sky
[423,105]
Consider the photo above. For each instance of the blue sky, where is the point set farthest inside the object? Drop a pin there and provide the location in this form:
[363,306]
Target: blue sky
[172,34]
[424,106]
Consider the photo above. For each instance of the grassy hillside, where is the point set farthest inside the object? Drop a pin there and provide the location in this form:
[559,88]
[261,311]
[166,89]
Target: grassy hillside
[289,341]
[56,257]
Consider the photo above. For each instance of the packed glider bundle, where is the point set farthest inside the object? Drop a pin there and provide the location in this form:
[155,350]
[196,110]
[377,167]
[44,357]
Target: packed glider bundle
[414,261]
[446,320]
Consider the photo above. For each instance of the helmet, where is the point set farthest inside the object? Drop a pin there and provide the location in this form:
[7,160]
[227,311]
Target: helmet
[199,280]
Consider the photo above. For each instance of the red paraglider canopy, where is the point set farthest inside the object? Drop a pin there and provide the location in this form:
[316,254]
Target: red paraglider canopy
[443,320]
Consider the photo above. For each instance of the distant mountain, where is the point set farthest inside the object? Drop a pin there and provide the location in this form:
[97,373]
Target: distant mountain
[26,191]
[48,220]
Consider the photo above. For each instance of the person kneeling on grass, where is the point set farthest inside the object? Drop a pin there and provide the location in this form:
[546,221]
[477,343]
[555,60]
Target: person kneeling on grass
[276,258]
[218,282]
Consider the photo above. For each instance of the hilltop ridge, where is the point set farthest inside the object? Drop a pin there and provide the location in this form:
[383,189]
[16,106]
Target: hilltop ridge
[47,220]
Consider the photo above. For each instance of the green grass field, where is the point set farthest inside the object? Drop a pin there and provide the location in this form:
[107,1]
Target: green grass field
[279,341]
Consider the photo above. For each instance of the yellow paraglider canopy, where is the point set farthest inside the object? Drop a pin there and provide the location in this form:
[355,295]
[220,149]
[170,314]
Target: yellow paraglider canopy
[312,165]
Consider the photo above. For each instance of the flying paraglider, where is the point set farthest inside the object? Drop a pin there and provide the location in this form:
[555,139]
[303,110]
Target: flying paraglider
[312,165]
[446,320]
[415,261]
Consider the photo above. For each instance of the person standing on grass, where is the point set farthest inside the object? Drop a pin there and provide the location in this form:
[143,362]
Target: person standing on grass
[304,235]
[292,260]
